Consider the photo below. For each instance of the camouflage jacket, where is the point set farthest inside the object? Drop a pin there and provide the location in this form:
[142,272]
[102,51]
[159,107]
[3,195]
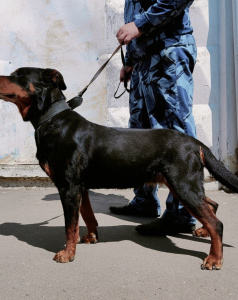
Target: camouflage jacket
[164,23]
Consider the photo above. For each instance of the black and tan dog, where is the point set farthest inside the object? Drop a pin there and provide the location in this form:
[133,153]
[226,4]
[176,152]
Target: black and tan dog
[79,155]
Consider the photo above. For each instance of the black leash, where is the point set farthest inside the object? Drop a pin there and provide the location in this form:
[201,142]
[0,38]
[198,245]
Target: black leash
[77,101]
[126,78]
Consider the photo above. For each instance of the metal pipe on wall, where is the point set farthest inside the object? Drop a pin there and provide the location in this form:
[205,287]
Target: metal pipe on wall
[228,105]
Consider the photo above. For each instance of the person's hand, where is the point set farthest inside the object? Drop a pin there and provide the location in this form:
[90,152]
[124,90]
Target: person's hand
[127,33]
[126,73]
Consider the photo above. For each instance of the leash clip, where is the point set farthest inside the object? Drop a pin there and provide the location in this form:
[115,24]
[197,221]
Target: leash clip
[78,100]
[75,102]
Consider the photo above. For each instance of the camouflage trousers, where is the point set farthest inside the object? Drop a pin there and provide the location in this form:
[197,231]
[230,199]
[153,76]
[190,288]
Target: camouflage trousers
[162,97]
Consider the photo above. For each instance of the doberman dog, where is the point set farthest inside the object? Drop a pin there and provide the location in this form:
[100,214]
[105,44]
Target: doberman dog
[79,155]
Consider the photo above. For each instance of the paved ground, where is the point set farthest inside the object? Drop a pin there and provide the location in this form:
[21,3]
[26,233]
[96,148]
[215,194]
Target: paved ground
[124,265]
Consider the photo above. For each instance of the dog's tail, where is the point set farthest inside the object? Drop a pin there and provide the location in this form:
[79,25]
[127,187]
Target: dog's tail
[217,169]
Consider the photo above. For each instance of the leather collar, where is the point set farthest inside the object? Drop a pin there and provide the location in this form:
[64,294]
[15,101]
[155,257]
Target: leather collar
[55,109]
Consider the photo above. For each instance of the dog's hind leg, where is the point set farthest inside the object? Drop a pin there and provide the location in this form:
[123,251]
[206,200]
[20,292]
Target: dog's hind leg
[70,199]
[89,219]
[215,229]
[202,232]
[205,214]
[190,193]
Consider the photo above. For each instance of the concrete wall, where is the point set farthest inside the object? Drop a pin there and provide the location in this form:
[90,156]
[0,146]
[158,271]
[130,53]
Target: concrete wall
[76,37]
[66,35]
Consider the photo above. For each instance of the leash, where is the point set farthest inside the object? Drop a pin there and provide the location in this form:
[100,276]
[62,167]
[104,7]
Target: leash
[126,78]
[61,105]
[47,221]
[77,101]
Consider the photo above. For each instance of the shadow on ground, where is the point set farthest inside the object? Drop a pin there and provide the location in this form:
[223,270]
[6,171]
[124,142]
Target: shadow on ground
[52,238]
[100,202]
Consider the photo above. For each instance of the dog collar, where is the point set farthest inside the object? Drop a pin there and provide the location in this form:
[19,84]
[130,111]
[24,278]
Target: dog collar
[55,109]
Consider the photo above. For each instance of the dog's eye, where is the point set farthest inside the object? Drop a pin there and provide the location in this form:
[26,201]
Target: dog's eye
[18,75]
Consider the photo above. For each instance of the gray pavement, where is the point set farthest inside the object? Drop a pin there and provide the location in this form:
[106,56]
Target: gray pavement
[123,265]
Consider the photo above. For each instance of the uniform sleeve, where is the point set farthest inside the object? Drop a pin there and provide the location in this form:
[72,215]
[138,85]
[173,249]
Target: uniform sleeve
[160,14]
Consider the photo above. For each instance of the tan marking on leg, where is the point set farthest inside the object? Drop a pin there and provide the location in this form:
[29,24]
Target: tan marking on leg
[47,169]
[211,226]
[202,232]
[89,219]
[72,238]
[215,258]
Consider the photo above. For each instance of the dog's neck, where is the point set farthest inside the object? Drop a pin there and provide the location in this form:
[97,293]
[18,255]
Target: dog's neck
[54,109]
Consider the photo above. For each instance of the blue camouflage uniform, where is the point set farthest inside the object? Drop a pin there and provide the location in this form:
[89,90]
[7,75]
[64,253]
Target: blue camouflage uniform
[161,83]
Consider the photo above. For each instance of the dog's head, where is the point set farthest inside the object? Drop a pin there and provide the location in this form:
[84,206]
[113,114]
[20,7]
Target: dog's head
[33,90]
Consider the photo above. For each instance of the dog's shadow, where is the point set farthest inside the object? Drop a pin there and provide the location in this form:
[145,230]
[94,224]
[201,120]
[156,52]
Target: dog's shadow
[52,238]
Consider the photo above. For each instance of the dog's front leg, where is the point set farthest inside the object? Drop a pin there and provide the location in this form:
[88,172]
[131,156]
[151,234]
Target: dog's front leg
[89,218]
[71,204]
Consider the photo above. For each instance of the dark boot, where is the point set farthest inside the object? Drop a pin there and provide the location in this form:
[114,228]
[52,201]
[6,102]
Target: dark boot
[129,210]
[163,227]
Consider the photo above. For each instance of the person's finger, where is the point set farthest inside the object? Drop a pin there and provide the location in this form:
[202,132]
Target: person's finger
[119,32]
[121,38]
[122,74]
[127,39]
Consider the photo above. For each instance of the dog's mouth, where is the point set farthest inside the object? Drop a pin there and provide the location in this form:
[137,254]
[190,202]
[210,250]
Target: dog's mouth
[11,98]
[23,106]
[8,97]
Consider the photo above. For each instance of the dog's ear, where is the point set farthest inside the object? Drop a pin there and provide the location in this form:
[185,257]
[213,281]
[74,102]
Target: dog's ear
[42,99]
[47,94]
[55,78]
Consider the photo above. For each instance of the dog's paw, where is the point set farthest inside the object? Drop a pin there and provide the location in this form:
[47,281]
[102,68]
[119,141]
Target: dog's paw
[64,256]
[89,238]
[211,263]
[201,232]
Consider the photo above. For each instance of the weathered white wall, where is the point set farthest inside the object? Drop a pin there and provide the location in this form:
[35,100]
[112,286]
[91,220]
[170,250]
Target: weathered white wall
[76,37]
[66,35]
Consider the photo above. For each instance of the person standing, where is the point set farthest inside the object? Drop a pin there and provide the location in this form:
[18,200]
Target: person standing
[160,58]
